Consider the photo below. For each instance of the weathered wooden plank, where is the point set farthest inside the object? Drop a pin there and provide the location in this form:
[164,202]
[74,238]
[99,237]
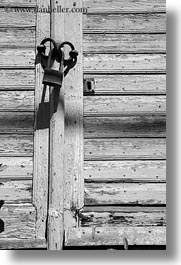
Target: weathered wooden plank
[125,171]
[19,221]
[73,168]
[23,244]
[112,127]
[123,217]
[124,23]
[17,101]
[16,191]
[16,167]
[89,236]
[125,193]
[126,84]
[17,79]
[124,63]
[17,58]
[19,3]
[41,132]
[124,105]
[11,18]
[127,148]
[111,6]
[124,43]
[16,122]
[17,37]
[16,145]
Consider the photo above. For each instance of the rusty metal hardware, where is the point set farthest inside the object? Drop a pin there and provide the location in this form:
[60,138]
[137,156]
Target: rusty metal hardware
[54,77]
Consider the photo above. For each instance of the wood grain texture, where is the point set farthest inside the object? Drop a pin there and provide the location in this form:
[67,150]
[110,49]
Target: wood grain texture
[124,63]
[124,105]
[17,79]
[16,145]
[41,131]
[17,37]
[17,58]
[16,122]
[15,244]
[126,84]
[17,101]
[136,126]
[16,191]
[124,43]
[16,168]
[125,171]
[124,23]
[121,6]
[127,148]
[19,3]
[123,217]
[19,221]
[12,19]
[125,194]
[98,236]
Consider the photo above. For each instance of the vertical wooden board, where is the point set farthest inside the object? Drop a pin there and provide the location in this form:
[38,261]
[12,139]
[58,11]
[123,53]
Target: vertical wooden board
[55,229]
[41,134]
[74,181]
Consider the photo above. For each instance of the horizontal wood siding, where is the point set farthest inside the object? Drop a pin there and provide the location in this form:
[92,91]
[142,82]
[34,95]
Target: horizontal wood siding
[124,105]
[91,236]
[125,23]
[16,168]
[122,216]
[19,221]
[124,45]
[124,63]
[19,191]
[126,84]
[18,3]
[12,19]
[16,79]
[125,194]
[124,171]
[132,126]
[122,6]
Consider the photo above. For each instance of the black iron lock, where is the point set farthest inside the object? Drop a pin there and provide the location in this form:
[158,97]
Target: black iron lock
[51,76]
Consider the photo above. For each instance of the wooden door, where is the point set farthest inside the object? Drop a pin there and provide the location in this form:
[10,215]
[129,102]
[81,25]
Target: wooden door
[24,127]
[120,197]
